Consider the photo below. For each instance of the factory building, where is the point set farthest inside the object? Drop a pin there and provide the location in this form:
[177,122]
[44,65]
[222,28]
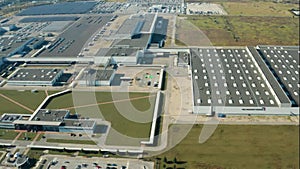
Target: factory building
[96,77]
[34,77]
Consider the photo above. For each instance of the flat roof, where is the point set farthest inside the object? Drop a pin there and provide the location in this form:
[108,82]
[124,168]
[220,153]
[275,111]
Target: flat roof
[35,74]
[97,74]
[50,115]
[59,8]
[232,75]
[72,40]
[78,123]
[284,64]
[138,42]
[39,123]
[129,25]
[49,19]
[118,51]
[8,118]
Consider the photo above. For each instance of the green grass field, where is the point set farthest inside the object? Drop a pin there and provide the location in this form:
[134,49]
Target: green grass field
[242,146]
[30,136]
[71,141]
[8,134]
[259,8]
[248,30]
[26,98]
[109,111]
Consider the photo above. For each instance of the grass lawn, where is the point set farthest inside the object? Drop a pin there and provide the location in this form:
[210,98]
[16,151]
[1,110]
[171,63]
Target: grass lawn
[248,30]
[259,8]
[30,136]
[71,141]
[238,146]
[8,134]
[109,111]
[26,98]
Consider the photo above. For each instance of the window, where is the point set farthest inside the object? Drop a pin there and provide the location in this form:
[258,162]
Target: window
[257,93]
[207,92]
[247,93]
[230,101]
[220,101]
[237,92]
[272,102]
[262,85]
[204,77]
[228,92]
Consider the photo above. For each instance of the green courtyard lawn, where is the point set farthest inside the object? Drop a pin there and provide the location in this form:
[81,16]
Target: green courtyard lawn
[71,141]
[27,98]
[30,136]
[8,134]
[109,111]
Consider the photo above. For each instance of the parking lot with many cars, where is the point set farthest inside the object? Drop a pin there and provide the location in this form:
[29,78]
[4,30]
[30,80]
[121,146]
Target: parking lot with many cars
[65,162]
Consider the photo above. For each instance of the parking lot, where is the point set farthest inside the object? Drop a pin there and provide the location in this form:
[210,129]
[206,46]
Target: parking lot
[58,162]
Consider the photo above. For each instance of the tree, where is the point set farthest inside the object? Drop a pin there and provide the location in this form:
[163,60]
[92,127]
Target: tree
[175,160]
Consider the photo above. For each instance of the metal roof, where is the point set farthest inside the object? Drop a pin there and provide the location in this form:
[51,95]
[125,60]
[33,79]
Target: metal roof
[284,64]
[233,76]
[35,74]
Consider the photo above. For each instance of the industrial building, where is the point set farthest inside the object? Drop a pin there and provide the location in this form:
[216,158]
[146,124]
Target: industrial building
[96,77]
[237,81]
[47,120]
[34,77]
